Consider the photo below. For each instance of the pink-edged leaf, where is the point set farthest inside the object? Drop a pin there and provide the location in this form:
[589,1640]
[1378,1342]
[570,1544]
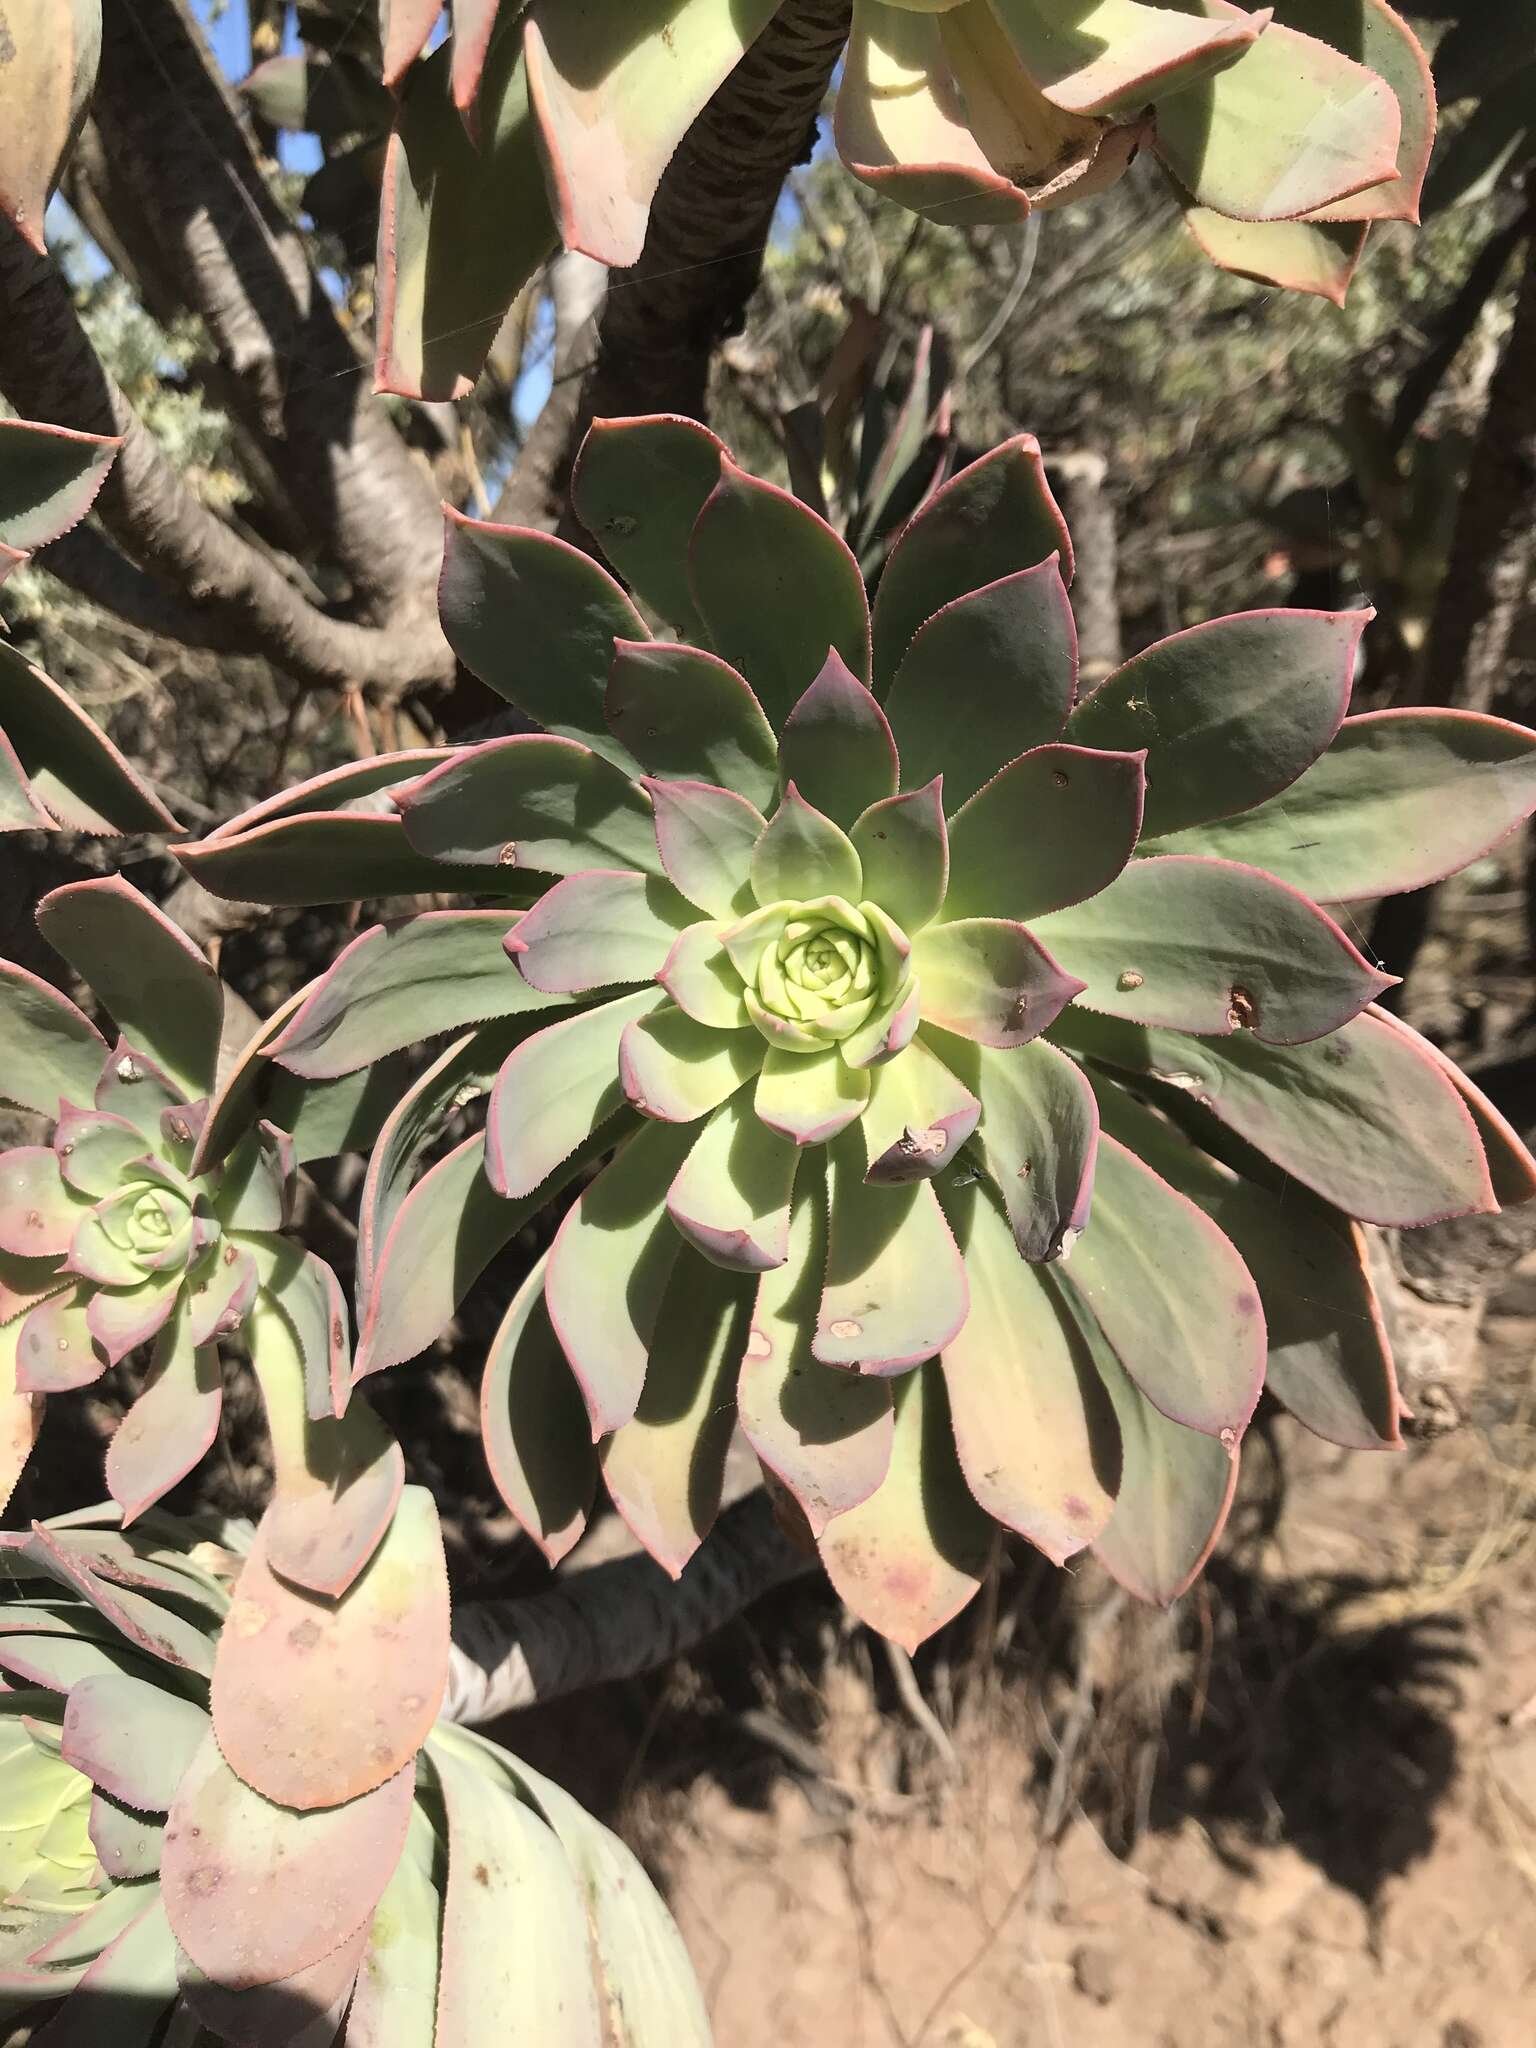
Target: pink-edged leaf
[677,1069]
[836,746]
[131,1085]
[990,979]
[48,1050]
[126,1843]
[995,518]
[701,978]
[20,808]
[919,1116]
[1116,56]
[93,1150]
[596,929]
[404,26]
[308,1296]
[534,1427]
[802,855]
[687,716]
[39,1213]
[1318,257]
[776,588]
[144,1623]
[638,487]
[45,88]
[895,1289]
[68,765]
[171,1425]
[474,21]
[318,1702]
[665,1467]
[810,1097]
[608,1271]
[132,1739]
[49,477]
[731,1196]
[134,1976]
[221,1294]
[357,788]
[56,1351]
[1054,826]
[911,1554]
[21,1416]
[613,105]
[534,800]
[1039,1138]
[903,846]
[1213,947]
[1511,1165]
[303,2010]
[706,836]
[1172,1295]
[555,1090]
[1377,36]
[304,1882]
[1229,712]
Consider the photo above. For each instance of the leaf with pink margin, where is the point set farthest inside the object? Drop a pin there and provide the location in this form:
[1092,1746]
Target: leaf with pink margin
[145,1623]
[308,1296]
[39,1213]
[895,1290]
[678,1070]
[1401,799]
[48,1049]
[903,847]
[305,1882]
[221,1294]
[132,1739]
[404,26]
[608,1271]
[731,1196]
[776,588]
[534,800]
[1054,826]
[919,1116]
[69,765]
[613,104]
[706,836]
[355,789]
[802,855]
[49,477]
[824,1433]
[120,1321]
[1172,1296]
[474,22]
[398,984]
[836,746]
[908,1557]
[51,60]
[131,1085]
[303,2010]
[598,929]
[993,519]
[533,1426]
[93,1150]
[319,1702]
[127,1843]
[21,1416]
[701,978]
[1034,1432]
[1039,1138]
[1229,712]
[172,1423]
[665,1467]
[319,857]
[20,809]
[1314,256]
[1116,56]
[1176,1485]
[1366,1117]
[555,1090]
[990,979]
[161,992]
[56,1352]
[1511,1166]
[1377,36]
[687,716]
[810,1097]
[1212,947]
[639,485]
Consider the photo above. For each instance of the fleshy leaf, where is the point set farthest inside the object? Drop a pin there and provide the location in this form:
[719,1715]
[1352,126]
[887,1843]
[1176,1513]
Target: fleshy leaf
[318,857]
[919,1116]
[836,746]
[595,929]
[67,764]
[127,1843]
[1511,1165]
[909,1557]
[1377,36]
[404,27]
[802,855]
[172,1424]
[264,2014]
[555,1090]
[396,1997]
[56,1350]
[903,846]
[51,58]
[49,477]
[1052,827]
[989,979]
[1213,947]
[534,1427]
[992,520]
[147,1624]
[1313,256]
[1039,1138]
[687,716]
[665,1468]
[131,1738]
[706,836]
[701,978]
[48,1050]
[810,1097]
[638,487]
[731,1197]
[679,1070]
[530,801]
[895,1288]
[1229,712]
[39,1213]
[1114,56]
[776,588]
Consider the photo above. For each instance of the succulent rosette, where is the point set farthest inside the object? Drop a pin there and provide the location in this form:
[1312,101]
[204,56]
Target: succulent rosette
[885,972]
[228,1803]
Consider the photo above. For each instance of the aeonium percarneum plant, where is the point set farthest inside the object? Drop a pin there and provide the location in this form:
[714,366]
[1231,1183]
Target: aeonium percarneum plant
[988,1108]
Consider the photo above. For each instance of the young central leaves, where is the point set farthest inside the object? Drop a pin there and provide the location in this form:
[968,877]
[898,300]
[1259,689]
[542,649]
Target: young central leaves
[974,1088]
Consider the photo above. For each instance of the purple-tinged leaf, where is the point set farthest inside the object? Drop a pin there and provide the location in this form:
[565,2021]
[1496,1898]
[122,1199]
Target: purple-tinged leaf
[132,1739]
[802,855]
[705,836]
[534,1426]
[130,1085]
[48,1050]
[254,1188]
[555,1090]
[996,517]
[810,1097]
[836,746]
[355,789]
[989,979]
[93,1150]
[596,929]
[68,764]
[687,716]
[404,26]
[474,23]
[531,801]
[127,1843]
[895,1290]
[903,846]
[21,1416]
[910,1555]
[919,1116]
[776,589]
[49,477]
[172,1424]
[1212,947]
[303,2010]
[638,488]
[39,1213]
[732,1193]
[56,1352]
[1511,1166]
[1054,826]
[678,1070]
[121,1321]
[1039,1138]
[220,1294]
[145,1623]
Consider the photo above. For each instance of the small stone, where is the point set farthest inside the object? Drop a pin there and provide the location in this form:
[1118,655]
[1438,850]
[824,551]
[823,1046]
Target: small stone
[507,857]
[1128,979]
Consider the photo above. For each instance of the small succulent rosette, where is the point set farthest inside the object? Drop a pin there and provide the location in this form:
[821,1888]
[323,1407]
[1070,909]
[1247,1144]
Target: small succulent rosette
[988,1107]
[227,1802]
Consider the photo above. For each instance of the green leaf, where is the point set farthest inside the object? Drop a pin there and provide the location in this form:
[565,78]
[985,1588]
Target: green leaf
[895,1288]
[395,2003]
[49,477]
[802,855]
[133,1977]
[534,1427]
[701,978]
[1230,712]
[131,1738]
[536,620]
[1035,1435]
[687,716]
[732,1193]
[1301,255]
[990,675]
[919,1116]
[531,802]
[48,1050]
[397,984]
[1401,799]
[706,836]
[1366,1117]
[71,767]
[555,1089]
[162,993]
[665,1468]
[598,928]
[327,1118]
[992,520]
[172,1423]
[461,228]
[810,1097]
[1377,36]
[776,589]
[1511,1166]
[638,487]
[308,1294]
[608,1271]
[1039,1138]
[1117,56]
[678,1070]
[1210,946]
[989,979]
[335,857]
[836,746]
[1052,827]
[910,1556]
[903,846]
[1172,1296]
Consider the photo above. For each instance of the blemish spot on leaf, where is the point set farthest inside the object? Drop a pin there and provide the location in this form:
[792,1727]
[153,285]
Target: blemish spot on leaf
[507,857]
[758,1344]
[1076,1509]
[1128,979]
[482,1875]
[925,1144]
[305,1635]
[247,1618]
[1060,777]
[1228,1440]
[128,1071]
[1244,1012]
[844,1328]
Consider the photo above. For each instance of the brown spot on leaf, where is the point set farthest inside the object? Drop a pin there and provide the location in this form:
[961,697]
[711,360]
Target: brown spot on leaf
[1060,777]
[1244,1013]
[203,1882]
[1128,978]
[304,1635]
[482,1876]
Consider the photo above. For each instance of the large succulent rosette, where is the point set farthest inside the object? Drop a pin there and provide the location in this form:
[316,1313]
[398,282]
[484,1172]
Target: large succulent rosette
[988,1106]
